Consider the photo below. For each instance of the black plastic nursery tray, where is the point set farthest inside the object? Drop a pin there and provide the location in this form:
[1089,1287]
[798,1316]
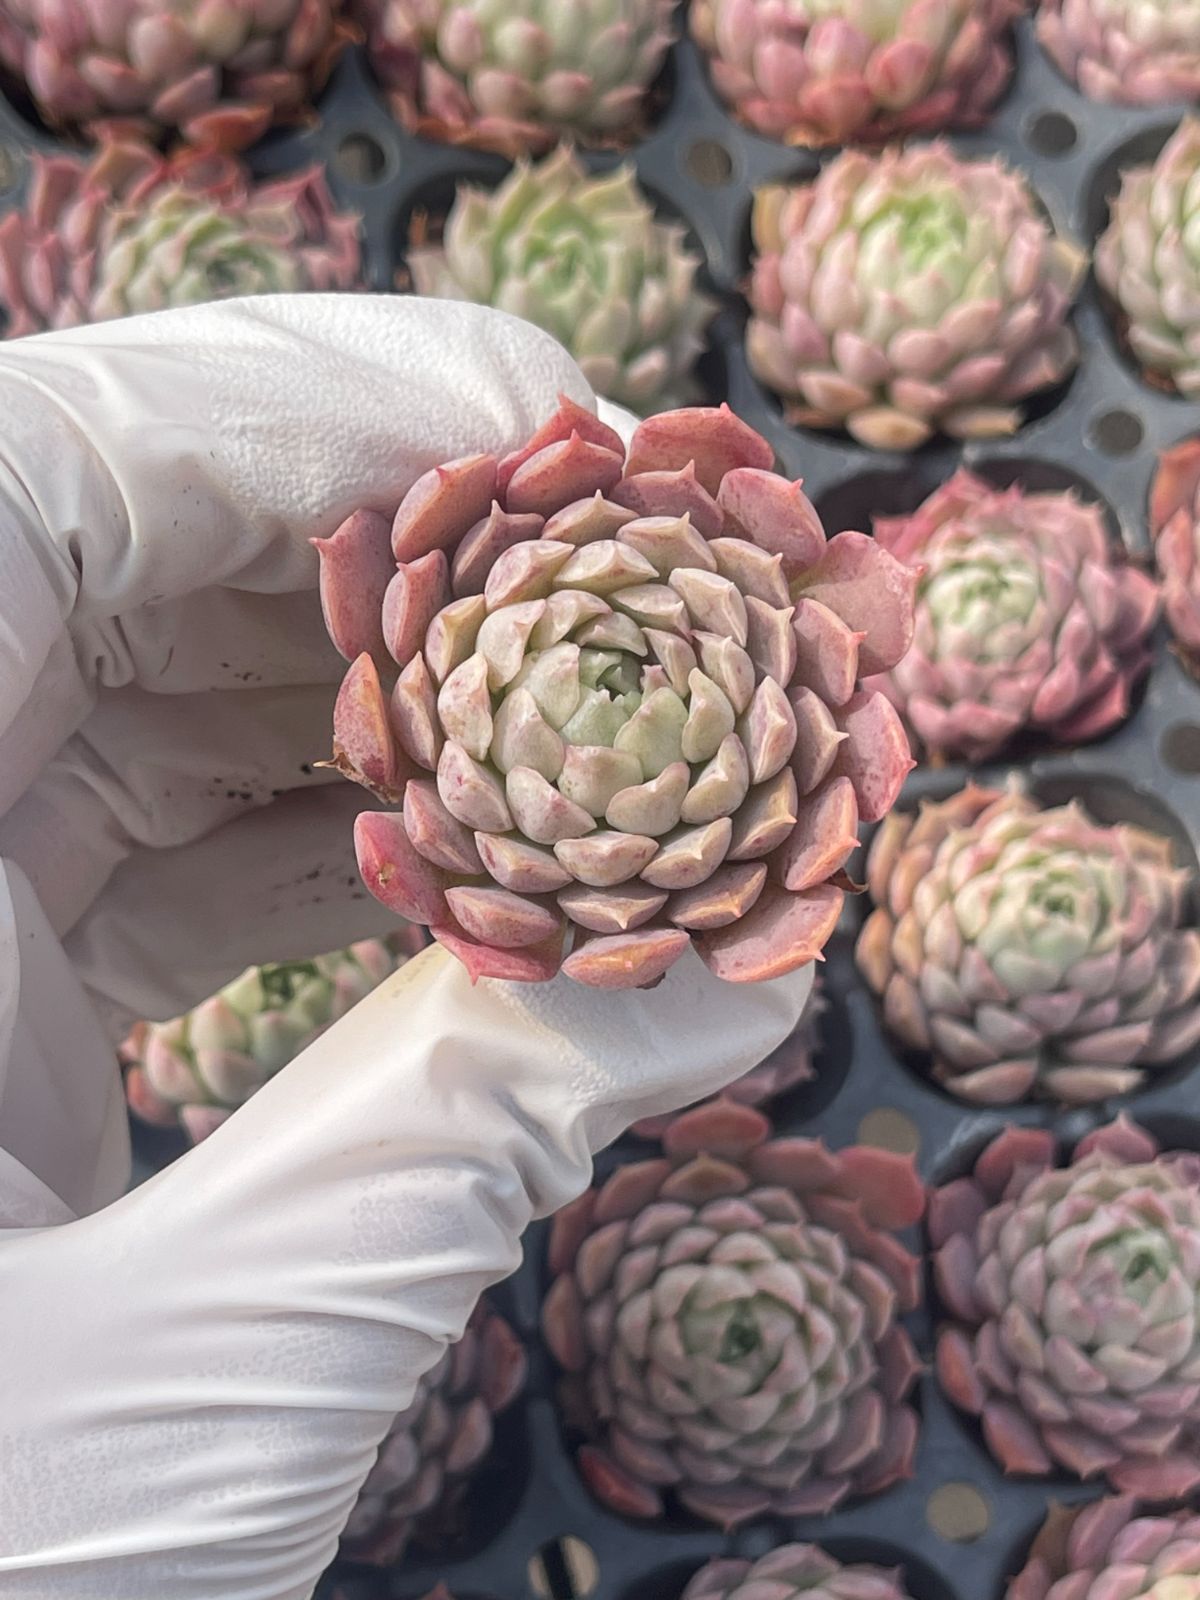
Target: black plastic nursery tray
[958,1528]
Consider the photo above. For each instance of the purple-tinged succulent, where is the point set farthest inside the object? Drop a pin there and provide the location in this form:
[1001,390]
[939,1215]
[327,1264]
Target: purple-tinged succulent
[430,1452]
[131,231]
[815,73]
[1122,52]
[788,1066]
[1025,621]
[216,73]
[727,1320]
[1082,1551]
[1175,528]
[794,1572]
[618,702]
[1029,950]
[1073,1298]
[909,292]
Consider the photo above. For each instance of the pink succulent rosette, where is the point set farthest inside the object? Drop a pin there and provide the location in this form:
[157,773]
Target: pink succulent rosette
[615,699]
[1175,527]
[794,1572]
[1081,1551]
[130,231]
[215,73]
[820,74]
[1025,621]
[428,1455]
[1073,1293]
[1121,53]
[727,1317]
[787,1067]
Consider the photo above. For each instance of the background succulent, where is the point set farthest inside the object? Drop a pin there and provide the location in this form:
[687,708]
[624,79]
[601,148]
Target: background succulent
[727,1320]
[216,73]
[794,1572]
[130,231]
[788,1066]
[517,75]
[1175,526]
[819,72]
[198,1068]
[1080,1548]
[1029,950]
[1024,619]
[1120,51]
[1148,261]
[1073,1294]
[626,709]
[586,259]
[908,292]
[426,1462]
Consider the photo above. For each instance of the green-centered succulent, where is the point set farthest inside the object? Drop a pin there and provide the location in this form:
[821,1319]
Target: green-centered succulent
[794,1572]
[586,259]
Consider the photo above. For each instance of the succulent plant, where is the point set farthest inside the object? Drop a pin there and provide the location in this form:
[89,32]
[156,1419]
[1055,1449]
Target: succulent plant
[1148,262]
[794,1572]
[1025,621]
[586,259]
[430,1452]
[1175,526]
[626,709]
[130,231]
[216,73]
[788,1066]
[1029,950]
[816,73]
[518,75]
[906,292]
[1118,51]
[198,1068]
[1080,1549]
[727,1320]
[1073,1294]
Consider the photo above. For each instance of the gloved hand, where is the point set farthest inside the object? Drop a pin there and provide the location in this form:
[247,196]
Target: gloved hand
[194,1378]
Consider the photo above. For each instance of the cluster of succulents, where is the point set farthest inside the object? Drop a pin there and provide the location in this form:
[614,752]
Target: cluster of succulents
[129,230]
[1029,950]
[216,74]
[435,1446]
[1025,620]
[517,78]
[195,1070]
[909,292]
[625,713]
[1148,262]
[1072,1298]
[815,74]
[1122,52]
[727,1318]
[586,259]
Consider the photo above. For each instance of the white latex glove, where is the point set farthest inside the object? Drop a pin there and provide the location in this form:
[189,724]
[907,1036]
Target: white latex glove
[194,1378]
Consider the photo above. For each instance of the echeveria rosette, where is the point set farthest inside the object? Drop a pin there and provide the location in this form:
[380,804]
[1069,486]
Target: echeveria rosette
[626,711]
[1148,262]
[1175,527]
[437,1443]
[908,292]
[1030,951]
[1073,1299]
[727,1317]
[215,73]
[586,259]
[1154,1554]
[1025,620]
[129,231]
[1124,52]
[821,72]
[195,1070]
[794,1572]
[788,1066]
[518,75]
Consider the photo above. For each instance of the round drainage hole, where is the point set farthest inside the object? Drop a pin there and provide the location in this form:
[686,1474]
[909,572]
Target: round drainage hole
[564,1569]
[708,161]
[958,1513]
[1050,133]
[885,1128]
[1116,433]
[360,158]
